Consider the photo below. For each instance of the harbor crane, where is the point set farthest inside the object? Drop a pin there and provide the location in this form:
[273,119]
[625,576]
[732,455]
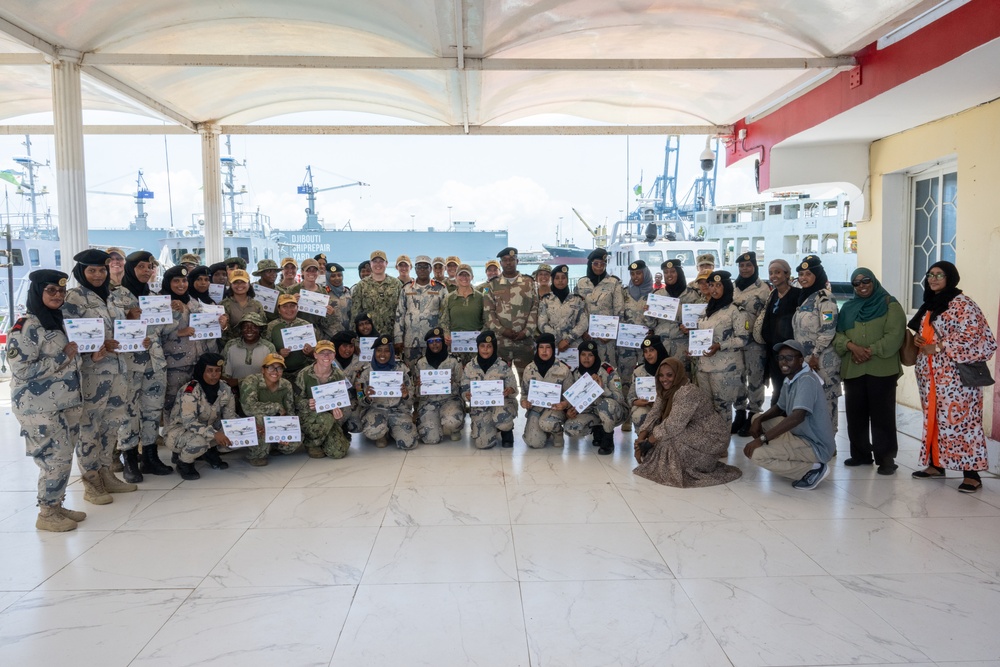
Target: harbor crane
[141,194]
[600,236]
[310,191]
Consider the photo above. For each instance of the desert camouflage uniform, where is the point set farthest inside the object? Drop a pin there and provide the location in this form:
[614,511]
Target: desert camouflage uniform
[320,430]
[389,417]
[379,300]
[566,320]
[418,311]
[608,411]
[605,298]
[103,384]
[45,398]
[194,421]
[674,340]
[236,312]
[637,412]
[258,402]
[180,353]
[341,318]
[815,325]
[297,360]
[540,422]
[485,424]
[482,287]
[633,313]
[512,304]
[720,374]
[440,415]
[752,301]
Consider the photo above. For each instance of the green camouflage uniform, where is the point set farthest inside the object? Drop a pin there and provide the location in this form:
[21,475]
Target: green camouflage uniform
[512,305]
[605,298]
[379,300]
[418,311]
[752,301]
[486,423]
[352,415]
[45,398]
[341,318]
[180,353]
[194,421]
[389,417]
[608,411]
[441,415]
[320,322]
[815,326]
[319,429]
[566,320]
[540,423]
[297,360]
[258,402]
[720,374]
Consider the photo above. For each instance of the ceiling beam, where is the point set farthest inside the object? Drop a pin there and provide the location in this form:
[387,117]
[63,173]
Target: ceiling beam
[416,130]
[141,98]
[28,39]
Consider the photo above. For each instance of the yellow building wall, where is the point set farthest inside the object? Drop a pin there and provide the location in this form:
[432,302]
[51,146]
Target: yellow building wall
[973,137]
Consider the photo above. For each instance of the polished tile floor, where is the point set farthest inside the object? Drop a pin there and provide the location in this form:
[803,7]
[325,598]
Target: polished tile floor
[450,556]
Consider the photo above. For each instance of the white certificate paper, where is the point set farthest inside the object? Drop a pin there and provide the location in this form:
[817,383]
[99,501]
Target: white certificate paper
[690,312]
[216,292]
[130,334]
[365,349]
[603,326]
[156,309]
[268,297]
[313,303]
[544,394]
[699,340]
[583,392]
[570,357]
[645,387]
[205,325]
[241,432]
[387,384]
[662,307]
[86,332]
[282,429]
[435,382]
[296,338]
[486,393]
[631,335]
[331,395]
[464,341]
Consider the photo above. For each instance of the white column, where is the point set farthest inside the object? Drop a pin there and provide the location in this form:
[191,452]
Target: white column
[211,179]
[71,182]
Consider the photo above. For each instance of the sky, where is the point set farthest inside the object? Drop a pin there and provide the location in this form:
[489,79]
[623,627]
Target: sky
[522,184]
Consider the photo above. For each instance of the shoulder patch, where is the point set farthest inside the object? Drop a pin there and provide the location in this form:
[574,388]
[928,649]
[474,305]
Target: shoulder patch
[607,367]
[19,324]
[828,316]
[190,386]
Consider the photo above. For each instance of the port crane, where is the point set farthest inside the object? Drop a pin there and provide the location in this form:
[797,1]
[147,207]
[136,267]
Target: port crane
[310,191]
[662,202]
[141,194]
[600,236]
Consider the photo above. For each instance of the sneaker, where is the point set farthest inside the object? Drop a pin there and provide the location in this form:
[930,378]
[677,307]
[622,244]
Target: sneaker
[811,479]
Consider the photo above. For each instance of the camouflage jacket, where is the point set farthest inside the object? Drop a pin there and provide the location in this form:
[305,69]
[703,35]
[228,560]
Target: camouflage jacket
[566,320]
[379,300]
[341,318]
[136,361]
[181,351]
[258,401]
[559,373]
[387,402]
[671,329]
[638,372]
[731,330]
[318,321]
[43,378]
[815,326]
[236,312]
[752,300]
[452,364]
[498,371]
[606,298]
[306,379]
[353,370]
[511,304]
[610,381]
[81,303]
[418,311]
[193,414]
[634,311]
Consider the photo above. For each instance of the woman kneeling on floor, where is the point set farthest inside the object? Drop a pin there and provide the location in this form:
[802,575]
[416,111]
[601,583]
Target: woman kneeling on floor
[268,394]
[195,426]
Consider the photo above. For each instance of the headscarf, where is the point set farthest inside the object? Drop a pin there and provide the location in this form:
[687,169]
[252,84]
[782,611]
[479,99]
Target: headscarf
[193,275]
[435,358]
[639,291]
[342,338]
[93,258]
[129,280]
[361,267]
[379,342]
[867,309]
[741,282]
[667,395]
[599,253]
[937,303]
[486,363]
[544,365]
[678,287]
[204,361]
[561,293]
[655,342]
[590,346]
[363,317]
[715,305]
[51,319]
[334,268]
[813,265]
[174,272]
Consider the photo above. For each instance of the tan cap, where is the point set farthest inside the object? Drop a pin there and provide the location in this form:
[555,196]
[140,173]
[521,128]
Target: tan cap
[118,251]
[403,259]
[308,264]
[706,259]
[703,275]
[378,253]
[239,274]
[452,260]
[324,346]
[289,260]
[465,268]
[273,358]
[437,261]
[287,298]
[422,259]
[492,262]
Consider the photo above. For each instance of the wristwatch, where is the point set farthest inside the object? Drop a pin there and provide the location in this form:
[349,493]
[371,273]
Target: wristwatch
[763,438]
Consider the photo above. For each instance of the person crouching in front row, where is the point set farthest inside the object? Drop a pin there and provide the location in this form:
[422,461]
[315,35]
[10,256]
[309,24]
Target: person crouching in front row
[490,425]
[324,433]
[195,425]
[600,417]
[543,424]
[439,414]
[267,394]
[387,417]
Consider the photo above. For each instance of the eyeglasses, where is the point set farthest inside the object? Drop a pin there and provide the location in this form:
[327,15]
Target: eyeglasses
[935,276]
[862,281]
[274,368]
[787,357]
[52,290]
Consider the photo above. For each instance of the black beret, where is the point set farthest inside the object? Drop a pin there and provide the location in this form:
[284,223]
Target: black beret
[139,256]
[560,268]
[546,339]
[748,257]
[383,339]
[92,257]
[198,272]
[598,253]
[48,277]
[671,264]
[436,332]
[342,338]
[320,256]
[507,251]
[218,266]
[587,346]
[363,317]
[719,276]
[809,262]
[486,336]
[333,267]
[650,340]
[637,265]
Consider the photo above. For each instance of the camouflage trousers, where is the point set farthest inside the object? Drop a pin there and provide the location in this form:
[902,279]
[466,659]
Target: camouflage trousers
[723,387]
[103,414]
[751,395]
[188,445]
[262,449]
[394,423]
[485,424]
[49,439]
[540,423]
[627,360]
[436,419]
[351,421]
[604,412]
[678,347]
[516,353]
[320,430]
[638,413]
[411,354]
[176,378]
[143,408]
[608,350]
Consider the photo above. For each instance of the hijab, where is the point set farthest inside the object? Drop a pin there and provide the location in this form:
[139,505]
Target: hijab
[544,365]
[342,338]
[561,293]
[81,279]
[204,361]
[435,358]
[590,346]
[168,276]
[602,255]
[860,309]
[667,395]
[937,303]
[678,287]
[486,363]
[129,280]
[51,319]
[820,283]
[653,341]
[743,283]
[715,305]
[638,292]
[364,317]
[193,275]
[389,365]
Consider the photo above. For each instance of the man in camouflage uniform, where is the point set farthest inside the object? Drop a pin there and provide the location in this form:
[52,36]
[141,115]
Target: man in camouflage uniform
[377,295]
[324,433]
[604,295]
[419,309]
[542,423]
[600,418]
[438,267]
[750,294]
[340,299]
[510,308]
[267,394]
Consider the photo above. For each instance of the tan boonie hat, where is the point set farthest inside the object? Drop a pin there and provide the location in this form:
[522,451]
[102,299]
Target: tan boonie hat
[118,251]
[273,358]
[265,265]
[422,259]
[452,260]
[287,298]
[706,259]
[308,264]
[438,261]
[289,260]
[378,254]
[324,346]
[465,268]
[190,258]
[239,274]
[404,259]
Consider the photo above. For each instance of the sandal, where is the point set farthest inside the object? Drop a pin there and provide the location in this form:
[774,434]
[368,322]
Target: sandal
[923,474]
[965,487]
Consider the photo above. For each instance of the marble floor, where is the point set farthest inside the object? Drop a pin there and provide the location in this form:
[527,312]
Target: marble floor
[450,556]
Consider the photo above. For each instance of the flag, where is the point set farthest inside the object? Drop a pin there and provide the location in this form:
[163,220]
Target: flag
[9,176]
[637,190]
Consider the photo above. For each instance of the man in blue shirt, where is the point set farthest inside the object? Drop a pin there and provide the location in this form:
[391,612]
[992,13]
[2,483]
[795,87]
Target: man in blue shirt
[795,437]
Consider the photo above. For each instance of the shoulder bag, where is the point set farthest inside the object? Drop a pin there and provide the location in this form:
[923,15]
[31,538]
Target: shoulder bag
[909,351]
[975,374]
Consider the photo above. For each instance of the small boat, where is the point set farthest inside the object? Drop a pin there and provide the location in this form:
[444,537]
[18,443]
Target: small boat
[567,253]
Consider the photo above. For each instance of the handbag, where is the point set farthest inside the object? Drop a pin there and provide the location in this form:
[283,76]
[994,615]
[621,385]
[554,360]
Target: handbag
[909,351]
[975,374]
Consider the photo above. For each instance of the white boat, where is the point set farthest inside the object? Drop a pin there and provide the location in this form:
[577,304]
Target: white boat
[655,241]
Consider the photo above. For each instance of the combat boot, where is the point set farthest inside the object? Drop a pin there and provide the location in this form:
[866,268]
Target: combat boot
[744,431]
[187,470]
[507,439]
[738,421]
[131,459]
[597,435]
[51,520]
[116,460]
[114,485]
[627,426]
[607,443]
[214,460]
[151,463]
[93,489]
[71,514]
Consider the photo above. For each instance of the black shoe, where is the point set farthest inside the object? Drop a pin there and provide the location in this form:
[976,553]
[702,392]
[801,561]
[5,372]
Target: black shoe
[187,470]
[215,459]
[607,444]
[150,464]
[597,435]
[738,421]
[175,458]
[887,469]
[744,431]
[853,462]
[130,464]
[506,439]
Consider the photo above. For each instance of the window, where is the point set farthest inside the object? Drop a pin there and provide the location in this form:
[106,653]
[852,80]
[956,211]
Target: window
[934,196]
[33,257]
[58,255]
[17,259]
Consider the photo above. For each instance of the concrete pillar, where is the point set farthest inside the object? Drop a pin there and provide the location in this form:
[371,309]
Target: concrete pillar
[71,182]
[211,179]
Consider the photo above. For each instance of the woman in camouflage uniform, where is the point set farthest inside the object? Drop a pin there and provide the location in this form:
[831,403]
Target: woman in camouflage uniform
[489,426]
[239,301]
[653,354]
[442,414]
[604,296]
[346,356]
[387,417]
[639,287]
[180,351]
[562,314]
[721,367]
[600,417]
[815,327]
[267,394]
[543,424]
[673,335]
[322,432]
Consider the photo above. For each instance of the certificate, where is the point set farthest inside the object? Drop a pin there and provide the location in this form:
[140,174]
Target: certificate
[583,392]
[268,297]
[690,312]
[662,307]
[365,349]
[435,382]
[544,394]
[205,325]
[464,341]
[216,292]
[603,326]
[313,303]
[296,338]
[130,334]
[331,395]
[699,340]
[631,335]
[645,387]
[387,384]
[86,332]
[156,309]
[282,429]
[241,432]
[212,308]
[486,393]
[570,357]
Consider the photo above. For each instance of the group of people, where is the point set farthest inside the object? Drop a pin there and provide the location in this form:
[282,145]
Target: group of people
[382,337]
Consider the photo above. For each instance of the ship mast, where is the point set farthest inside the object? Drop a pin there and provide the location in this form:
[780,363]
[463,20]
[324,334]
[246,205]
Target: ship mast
[28,189]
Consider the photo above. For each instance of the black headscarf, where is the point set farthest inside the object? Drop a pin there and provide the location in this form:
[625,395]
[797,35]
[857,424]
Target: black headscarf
[193,275]
[51,319]
[812,264]
[204,361]
[937,303]
[599,253]
[383,341]
[168,276]
[93,258]
[715,305]
[655,342]
[543,365]
[560,292]
[342,338]
[435,358]
[590,346]
[741,282]
[678,287]
[486,363]
[362,265]
[129,281]
[364,317]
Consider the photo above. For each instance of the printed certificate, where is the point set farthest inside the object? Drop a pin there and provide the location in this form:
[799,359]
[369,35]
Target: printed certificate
[662,307]
[486,393]
[603,326]
[544,394]
[296,338]
[690,312]
[282,429]
[464,341]
[86,332]
[387,384]
[365,350]
[130,334]
[313,303]
[216,292]
[435,382]
[268,297]
[332,395]
[583,392]
[156,309]
[645,388]
[571,357]
[241,432]
[699,340]
[631,335]
[205,325]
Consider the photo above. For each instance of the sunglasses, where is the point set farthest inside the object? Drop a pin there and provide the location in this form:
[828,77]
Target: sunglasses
[935,276]
[862,281]
[54,291]
[787,357]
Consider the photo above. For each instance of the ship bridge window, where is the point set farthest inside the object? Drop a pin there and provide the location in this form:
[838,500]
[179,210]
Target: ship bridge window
[243,253]
[758,249]
[790,245]
[652,257]
[774,209]
[830,243]
[829,209]
[812,210]
[33,257]
[17,259]
[810,244]
[791,211]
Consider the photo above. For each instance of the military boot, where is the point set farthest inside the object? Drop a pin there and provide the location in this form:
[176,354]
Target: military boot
[597,435]
[744,431]
[114,485]
[607,443]
[187,470]
[151,463]
[507,439]
[93,489]
[738,421]
[214,459]
[51,520]
[71,514]
[131,459]
[116,460]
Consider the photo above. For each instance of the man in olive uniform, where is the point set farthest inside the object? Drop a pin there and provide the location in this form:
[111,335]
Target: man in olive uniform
[750,293]
[419,309]
[510,307]
[377,295]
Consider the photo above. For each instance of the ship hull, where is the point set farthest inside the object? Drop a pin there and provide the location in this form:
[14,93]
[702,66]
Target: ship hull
[573,255]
